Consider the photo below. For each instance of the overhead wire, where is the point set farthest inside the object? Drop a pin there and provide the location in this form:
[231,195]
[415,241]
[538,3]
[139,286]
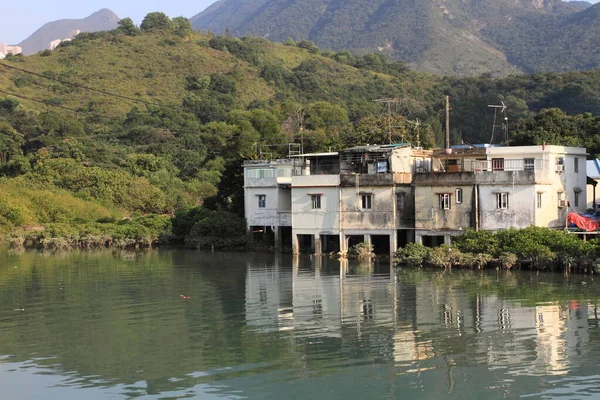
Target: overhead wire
[58,106]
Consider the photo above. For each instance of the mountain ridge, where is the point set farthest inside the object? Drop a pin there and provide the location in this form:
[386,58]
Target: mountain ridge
[101,20]
[449,37]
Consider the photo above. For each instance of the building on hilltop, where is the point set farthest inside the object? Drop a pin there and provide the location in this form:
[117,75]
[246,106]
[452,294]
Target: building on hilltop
[395,194]
[6,50]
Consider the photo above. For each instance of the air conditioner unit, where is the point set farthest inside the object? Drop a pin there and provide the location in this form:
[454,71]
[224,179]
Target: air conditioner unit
[560,168]
[562,203]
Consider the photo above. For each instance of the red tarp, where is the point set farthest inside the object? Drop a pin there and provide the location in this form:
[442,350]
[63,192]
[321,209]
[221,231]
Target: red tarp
[585,223]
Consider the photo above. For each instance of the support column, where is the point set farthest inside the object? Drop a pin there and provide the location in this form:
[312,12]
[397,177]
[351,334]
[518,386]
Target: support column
[295,244]
[367,239]
[343,243]
[418,238]
[318,245]
[393,243]
[447,240]
[277,237]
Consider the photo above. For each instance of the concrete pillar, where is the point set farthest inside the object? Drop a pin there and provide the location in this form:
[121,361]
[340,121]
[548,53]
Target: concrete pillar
[277,237]
[343,243]
[367,239]
[418,238]
[317,244]
[447,240]
[295,244]
[393,243]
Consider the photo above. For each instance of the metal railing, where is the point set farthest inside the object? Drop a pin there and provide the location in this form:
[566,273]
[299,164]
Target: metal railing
[495,164]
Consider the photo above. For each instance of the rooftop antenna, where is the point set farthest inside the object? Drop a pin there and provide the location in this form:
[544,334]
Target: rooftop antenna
[389,103]
[502,110]
[417,124]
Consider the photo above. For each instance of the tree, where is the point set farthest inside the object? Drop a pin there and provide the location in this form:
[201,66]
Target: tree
[181,26]
[155,21]
[127,27]
[10,142]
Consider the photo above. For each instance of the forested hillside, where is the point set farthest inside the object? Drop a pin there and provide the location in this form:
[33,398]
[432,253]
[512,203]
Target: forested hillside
[446,37]
[134,122]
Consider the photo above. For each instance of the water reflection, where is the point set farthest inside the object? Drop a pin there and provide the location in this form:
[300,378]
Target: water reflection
[174,324]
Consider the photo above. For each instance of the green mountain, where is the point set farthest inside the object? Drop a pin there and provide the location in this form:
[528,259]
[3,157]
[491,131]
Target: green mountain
[130,122]
[102,20]
[448,37]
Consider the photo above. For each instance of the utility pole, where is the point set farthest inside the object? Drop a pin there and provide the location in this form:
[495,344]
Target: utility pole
[447,122]
[388,103]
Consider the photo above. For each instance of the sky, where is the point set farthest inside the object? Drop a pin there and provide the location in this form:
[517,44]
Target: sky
[23,17]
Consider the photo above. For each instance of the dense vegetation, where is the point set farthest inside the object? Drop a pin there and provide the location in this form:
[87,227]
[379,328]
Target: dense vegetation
[117,125]
[535,248]
[450,37]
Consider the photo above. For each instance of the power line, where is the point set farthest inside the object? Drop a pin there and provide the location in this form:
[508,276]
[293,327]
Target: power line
[58,106]
[80,85]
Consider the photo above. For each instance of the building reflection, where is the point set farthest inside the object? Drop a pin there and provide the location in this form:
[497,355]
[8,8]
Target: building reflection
[414,325]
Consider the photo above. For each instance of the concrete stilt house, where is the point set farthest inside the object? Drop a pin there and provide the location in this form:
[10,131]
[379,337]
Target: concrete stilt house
[394,194]
[493,188]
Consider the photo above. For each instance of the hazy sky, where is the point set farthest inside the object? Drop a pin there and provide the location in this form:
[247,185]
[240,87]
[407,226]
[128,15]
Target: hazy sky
[20,18]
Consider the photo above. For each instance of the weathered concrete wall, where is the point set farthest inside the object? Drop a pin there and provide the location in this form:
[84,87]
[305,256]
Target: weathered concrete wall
[367,180]
[380,216]
[405,214]
[519,214]
[445,178]
[428,214]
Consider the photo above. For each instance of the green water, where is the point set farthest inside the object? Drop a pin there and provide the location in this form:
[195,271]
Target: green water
[114,325]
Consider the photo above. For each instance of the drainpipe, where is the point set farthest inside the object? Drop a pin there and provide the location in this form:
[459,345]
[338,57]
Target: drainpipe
[476,201]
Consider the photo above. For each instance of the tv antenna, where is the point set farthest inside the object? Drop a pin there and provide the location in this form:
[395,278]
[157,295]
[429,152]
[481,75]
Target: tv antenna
[502,109]
[417,124]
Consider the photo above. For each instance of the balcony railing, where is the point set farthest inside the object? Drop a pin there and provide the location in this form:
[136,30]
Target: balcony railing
[495,164]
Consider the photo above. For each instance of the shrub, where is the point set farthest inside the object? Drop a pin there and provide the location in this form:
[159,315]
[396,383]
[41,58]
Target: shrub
[413,254]
[507,260]
[445,256]
[362,251]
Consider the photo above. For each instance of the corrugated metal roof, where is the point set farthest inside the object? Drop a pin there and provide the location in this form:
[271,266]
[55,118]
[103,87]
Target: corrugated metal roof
[593,168]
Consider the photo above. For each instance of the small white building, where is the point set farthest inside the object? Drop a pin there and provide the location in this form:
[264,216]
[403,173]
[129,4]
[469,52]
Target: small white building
[5,50]
[267,199]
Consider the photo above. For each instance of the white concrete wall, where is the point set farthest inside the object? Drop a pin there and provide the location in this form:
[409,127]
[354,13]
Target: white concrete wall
[519,214]
[325,220]
[256,216]
[576,181]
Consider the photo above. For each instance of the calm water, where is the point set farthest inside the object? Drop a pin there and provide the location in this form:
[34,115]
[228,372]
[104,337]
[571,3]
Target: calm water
[114,325]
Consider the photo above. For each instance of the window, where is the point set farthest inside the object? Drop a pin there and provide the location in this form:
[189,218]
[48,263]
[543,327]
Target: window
[262,200]
[576,164]
[445,201]
[501,201]
[366,201]
[459,196]
[498,164]
[539,200]
[315,200]
[529,164]
[576,199]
